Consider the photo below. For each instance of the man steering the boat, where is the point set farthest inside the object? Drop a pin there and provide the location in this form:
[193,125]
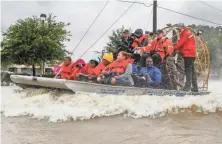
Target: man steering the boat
[187,46]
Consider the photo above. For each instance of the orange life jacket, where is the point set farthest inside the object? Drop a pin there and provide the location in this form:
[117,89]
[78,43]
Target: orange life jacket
[89,70]
[135,44]
[130,60]
[163,47]
[66,71]
[99,68]
[147,36]
[74,72]
[117,66]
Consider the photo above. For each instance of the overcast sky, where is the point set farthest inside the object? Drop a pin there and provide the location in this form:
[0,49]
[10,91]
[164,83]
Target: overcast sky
[81,14]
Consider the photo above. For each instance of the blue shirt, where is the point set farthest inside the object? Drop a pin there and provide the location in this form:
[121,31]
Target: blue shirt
[154,74]
[135,68]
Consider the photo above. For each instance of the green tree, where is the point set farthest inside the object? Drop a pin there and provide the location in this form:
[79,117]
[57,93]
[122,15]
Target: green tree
[32,41]
[213,37]
[115,39]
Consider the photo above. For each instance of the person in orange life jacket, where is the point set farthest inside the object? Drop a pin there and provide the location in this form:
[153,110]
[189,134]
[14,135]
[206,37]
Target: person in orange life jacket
[106,60]
[119,72]
[80,63]
[151,73]
[187,46]
[88,70]
[66,69]
[159,48]
[138,39]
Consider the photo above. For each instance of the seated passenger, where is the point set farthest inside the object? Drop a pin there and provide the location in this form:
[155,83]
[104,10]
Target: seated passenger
[152,74]
[135,68]
[80,63]
[119,72]
[88,70]
[142,62]
[139,39]
[66,69]
[107,59]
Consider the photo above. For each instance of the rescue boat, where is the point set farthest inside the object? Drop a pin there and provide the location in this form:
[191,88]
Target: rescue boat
[174,65]
[87,87]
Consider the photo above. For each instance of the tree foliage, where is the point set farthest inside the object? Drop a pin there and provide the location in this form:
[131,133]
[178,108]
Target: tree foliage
[115,39]
[31,41]
[213,37]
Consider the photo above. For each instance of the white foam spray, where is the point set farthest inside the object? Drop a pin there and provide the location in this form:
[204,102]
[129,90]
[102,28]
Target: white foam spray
[59,106]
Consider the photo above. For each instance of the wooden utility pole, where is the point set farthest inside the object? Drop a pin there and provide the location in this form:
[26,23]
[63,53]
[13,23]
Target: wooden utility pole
[154,15]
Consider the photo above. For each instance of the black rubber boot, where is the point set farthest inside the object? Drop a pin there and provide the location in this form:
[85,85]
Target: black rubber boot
[194,81]
[188,64]
[190,73]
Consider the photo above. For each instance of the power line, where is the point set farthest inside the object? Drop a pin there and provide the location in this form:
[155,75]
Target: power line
[176,12]
[149,19]
[107,30]
[85,33]
[210,6]
[145,4]
[90,26]
[189,15]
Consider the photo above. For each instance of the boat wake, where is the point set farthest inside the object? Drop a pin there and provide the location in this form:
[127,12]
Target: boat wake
[62,106]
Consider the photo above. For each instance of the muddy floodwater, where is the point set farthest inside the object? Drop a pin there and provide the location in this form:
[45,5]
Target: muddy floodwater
[174,129]
[43,117]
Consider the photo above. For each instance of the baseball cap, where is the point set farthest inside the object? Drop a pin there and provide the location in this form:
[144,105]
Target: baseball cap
[159,31]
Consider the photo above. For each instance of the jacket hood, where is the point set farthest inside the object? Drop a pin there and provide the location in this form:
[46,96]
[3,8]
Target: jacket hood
[81,61]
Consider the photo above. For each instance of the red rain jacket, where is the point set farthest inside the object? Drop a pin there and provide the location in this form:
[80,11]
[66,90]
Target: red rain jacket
[186,44]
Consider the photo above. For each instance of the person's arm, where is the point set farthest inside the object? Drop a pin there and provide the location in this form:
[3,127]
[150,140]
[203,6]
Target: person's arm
[148,47]
[128,71]
[182,40]
[169,47]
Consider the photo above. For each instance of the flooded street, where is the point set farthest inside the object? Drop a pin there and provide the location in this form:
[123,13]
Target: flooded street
[185,128]
[111,72]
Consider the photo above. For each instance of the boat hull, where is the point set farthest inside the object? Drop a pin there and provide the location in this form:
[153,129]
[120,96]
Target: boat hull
[78,86]
[122,90]
[39,81]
